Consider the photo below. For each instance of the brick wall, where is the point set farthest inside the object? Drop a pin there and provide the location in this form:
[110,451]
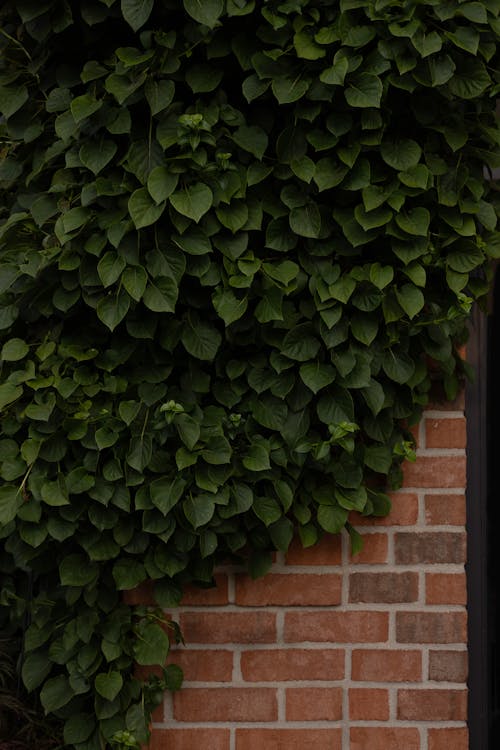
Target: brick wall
[333,653]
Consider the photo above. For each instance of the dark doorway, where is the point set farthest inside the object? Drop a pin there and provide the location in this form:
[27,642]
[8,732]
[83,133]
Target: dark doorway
[483,518]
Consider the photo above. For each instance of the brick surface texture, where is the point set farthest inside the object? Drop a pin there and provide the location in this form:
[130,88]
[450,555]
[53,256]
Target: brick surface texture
[335,652]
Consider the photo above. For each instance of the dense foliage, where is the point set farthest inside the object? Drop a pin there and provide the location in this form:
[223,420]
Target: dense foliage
[237,241]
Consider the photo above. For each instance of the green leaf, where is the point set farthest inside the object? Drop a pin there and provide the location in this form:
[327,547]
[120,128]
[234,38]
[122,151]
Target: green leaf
[355,538]
[374,396]
[84,106]
[193,201]
[415,222]
[55,694]
[267,509]
[136,12]
[351,499]
[11,500]
[234,216]
[228,306]
[140,452]
[411,299]
[270,412]
[281,533]
[166,493]
[35,669]
[110,267]
[332,518]
[378,458]
[159,94]
[256,458]
[128,411]
[365,90]
[128,573]
[161,184]
[471,79]
[189,430]
[342,289]
[200,339]
[95,155]
[109,684]
[201,78]
[306,48]
[12,98]
[259,563]
[251,138]
[78,728]
[112,308]
[134,280]
[206,12]
[381,276]
[79,480]
[300,343]
[317,376]
[401,154]
[161,294]
[173,676]
[306,220]
[335,75]
[152,644]
[193,241]
[77,570]
[143,210]
[329,173]
[364,327]
[54,494]
[398,367]
[288,90]
[198,510]
[13,350]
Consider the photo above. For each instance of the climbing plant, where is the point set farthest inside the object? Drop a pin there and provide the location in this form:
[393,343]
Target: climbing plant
[238,242]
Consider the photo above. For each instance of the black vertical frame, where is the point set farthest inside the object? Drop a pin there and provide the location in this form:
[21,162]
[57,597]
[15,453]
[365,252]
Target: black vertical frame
[477,410]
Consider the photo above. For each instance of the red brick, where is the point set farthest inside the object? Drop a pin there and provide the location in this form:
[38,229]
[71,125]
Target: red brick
[328,551]
[158,715]
[195,596]
[381,738]
[404,512]
[444,739]
[226,704]
[289,739]
[192,595]
[336,627]
[435,471]
[445,588]
[431,627]
[445,510]
[376,665]
[189,739]
[429,547]
[383,587]
[448,666]
[374,549]
[441,404]
[445,433]
[292,664]
[314,704]
[142,594]
[432,705]
[201,665]
[228,627]
[368,704]
[290,590]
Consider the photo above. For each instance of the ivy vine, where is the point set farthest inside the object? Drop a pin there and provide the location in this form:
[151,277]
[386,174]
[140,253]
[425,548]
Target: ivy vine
[238,241]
